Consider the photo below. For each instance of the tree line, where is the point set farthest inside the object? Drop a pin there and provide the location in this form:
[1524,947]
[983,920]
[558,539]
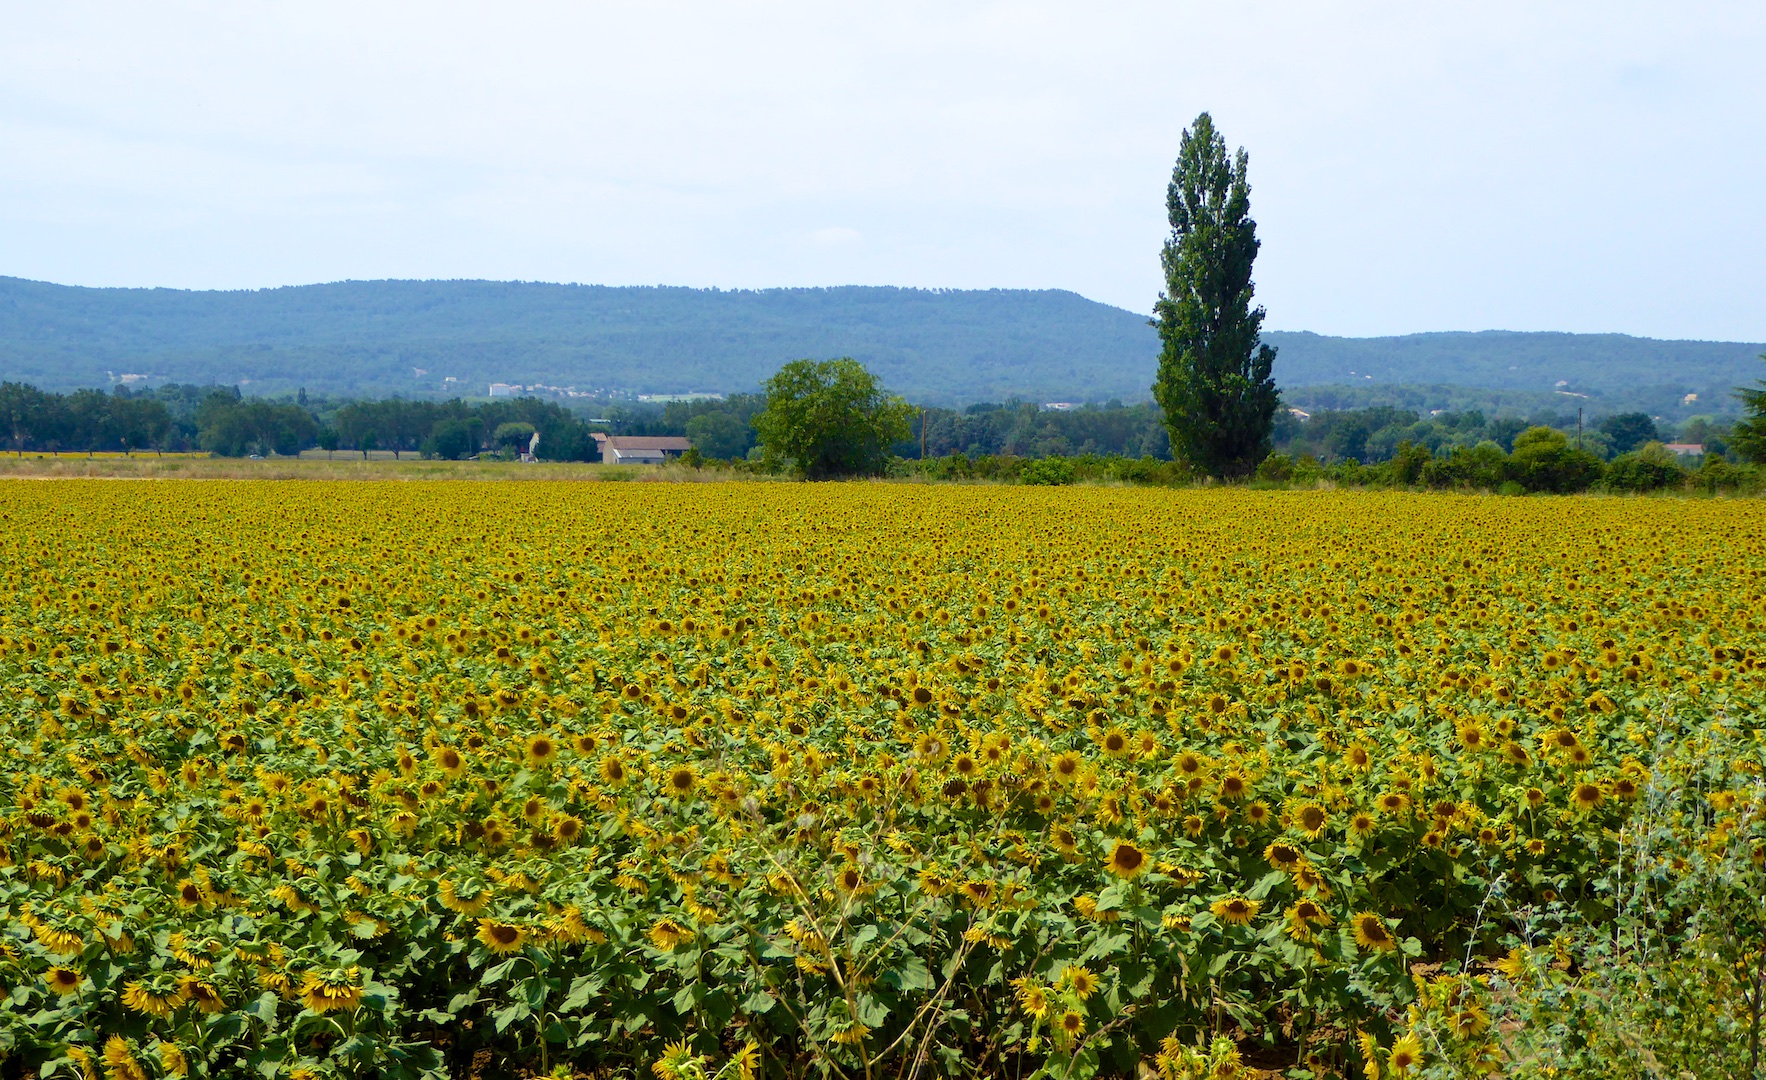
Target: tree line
[222,421]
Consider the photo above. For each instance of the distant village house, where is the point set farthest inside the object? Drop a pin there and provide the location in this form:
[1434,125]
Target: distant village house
[640,449]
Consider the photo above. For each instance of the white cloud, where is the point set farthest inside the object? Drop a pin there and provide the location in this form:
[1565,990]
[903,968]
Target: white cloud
[1578,165]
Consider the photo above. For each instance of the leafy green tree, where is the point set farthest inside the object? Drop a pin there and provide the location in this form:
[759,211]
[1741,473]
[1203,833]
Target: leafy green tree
[1628,431]
[1748,437]
[1544,460]
[1214,379]
[452,439]
[719,435]
[23,409]
[831,418]
[1648,468]
[513,436]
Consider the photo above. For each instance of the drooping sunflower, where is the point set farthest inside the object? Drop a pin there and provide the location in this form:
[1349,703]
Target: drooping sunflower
[1303,915]
[203,995]
[666,934]
[1235,910]
[469,901]
[62,981]
[158,997]
[1371,932]
[332,991]
[500,937]
[119,1060]
[1283,856]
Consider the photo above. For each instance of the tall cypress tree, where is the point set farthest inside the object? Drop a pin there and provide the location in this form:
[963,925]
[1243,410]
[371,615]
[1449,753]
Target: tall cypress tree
[1214,374]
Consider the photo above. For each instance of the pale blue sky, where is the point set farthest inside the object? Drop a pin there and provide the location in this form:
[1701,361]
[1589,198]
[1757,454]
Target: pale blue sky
[1415,166]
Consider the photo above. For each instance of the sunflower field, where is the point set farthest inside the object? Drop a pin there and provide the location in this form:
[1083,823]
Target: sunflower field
[877,780]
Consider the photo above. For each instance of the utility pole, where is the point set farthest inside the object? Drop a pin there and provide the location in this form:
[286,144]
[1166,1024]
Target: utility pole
[922,433]
[1578,427]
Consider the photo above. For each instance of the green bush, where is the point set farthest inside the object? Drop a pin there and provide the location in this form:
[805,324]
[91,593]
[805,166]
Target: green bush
[1651,468]
[1051,471]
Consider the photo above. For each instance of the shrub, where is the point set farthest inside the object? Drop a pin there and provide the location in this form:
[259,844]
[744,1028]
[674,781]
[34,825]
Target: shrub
[1047,471]
[1649,469]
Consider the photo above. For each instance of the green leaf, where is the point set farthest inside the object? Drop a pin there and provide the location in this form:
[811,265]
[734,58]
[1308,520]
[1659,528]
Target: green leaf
[687,997]
[1265,884]
[759,1003]
[582,991]
[463,1000]
[910,975]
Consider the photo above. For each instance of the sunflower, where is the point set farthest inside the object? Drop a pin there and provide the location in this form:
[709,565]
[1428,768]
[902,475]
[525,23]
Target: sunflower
[1066,766]
[1126,860]
[202,995]
[1070,1026]
[161,999]
[613,771]
[1311,819]
[542,750]
[451,761]
[1371,932]
[681,782]
[62,980]
[1080,979]
[1032,997]
[1064,840]
[1235,910]
[119,1060]
[567,829]
[1586,796]
[1283,856]
[468,904]
[1407,1054]
[500,937]
[335,990]
[667,934]
[1303,915]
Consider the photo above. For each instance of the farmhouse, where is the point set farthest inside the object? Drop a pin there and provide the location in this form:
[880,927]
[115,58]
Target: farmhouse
[640,449]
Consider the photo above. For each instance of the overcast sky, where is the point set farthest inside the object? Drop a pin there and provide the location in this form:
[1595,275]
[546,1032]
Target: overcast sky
[1415,166]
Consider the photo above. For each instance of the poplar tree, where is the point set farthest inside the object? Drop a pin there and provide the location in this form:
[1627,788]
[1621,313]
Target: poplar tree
[1214,381]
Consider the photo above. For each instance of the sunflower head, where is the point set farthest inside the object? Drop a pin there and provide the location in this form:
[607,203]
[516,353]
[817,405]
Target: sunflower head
[1126,860]
[1371,932]
[62,980]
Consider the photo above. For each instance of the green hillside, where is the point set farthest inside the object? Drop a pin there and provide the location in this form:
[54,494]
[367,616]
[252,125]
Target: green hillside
[939,346]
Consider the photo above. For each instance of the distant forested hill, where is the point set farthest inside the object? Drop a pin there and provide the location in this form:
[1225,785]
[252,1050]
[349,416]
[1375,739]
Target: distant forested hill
[937,346]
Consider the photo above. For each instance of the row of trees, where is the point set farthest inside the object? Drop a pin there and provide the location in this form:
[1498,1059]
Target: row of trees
[221,421]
